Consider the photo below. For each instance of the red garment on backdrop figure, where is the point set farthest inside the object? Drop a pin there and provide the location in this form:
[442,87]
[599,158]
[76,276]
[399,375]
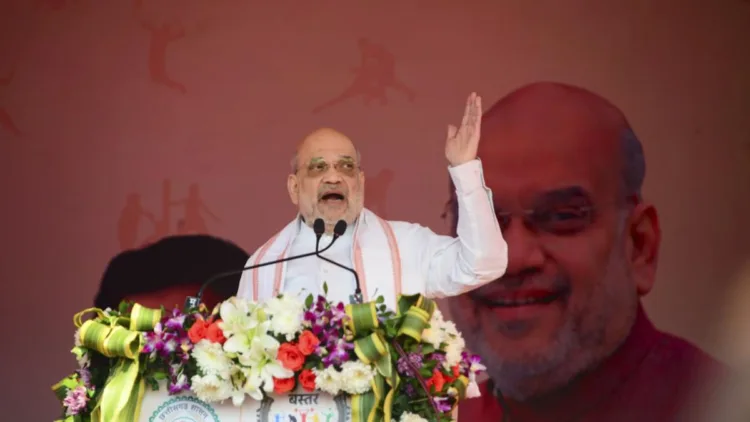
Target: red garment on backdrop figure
[653,376]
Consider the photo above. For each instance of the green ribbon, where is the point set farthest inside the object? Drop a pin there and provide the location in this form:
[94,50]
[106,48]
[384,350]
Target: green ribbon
[371,347]
[121,339]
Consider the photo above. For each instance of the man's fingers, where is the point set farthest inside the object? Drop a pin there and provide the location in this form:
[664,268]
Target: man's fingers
[478,112]
[452,131]
[467,109]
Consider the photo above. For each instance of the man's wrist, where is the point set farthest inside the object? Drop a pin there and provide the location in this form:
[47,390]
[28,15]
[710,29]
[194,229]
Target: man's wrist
[467,177]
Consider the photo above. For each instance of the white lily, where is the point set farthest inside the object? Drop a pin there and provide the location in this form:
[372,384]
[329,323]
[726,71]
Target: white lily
[238,316]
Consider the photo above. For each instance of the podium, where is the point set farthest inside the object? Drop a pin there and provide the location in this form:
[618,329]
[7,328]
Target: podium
[298,406]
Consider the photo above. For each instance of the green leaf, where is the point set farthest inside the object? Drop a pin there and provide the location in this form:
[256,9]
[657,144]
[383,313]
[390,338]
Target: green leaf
[160,375]
[380,299]
[425,373]
[309,301]
[325,288]
[427,348]
[151,383]
[390,331]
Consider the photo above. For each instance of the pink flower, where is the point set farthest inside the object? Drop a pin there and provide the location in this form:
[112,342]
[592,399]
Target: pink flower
[75,400]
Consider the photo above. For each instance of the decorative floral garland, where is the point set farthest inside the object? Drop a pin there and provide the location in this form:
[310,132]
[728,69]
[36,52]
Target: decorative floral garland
[409,365]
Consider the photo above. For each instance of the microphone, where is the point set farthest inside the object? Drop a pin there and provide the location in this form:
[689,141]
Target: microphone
[192,302]
[339,230]
[319,227]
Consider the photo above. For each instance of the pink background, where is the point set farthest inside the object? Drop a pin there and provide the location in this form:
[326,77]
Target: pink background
[95,126]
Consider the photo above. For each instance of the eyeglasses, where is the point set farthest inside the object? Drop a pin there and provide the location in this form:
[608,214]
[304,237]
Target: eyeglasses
[557,219]
[346,167]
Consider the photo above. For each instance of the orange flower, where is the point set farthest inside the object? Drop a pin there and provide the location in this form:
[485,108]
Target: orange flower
[437,380]
[282,386]
[198,331]
[307,379]
[290,357]
[455,372]
[214,333]
[308,342]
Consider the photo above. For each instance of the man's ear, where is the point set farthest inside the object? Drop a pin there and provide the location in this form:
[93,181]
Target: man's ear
[292,186]
[643,246]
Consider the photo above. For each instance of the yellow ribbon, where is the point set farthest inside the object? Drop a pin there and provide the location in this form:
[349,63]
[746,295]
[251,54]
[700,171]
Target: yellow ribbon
[121,339]
[371,347]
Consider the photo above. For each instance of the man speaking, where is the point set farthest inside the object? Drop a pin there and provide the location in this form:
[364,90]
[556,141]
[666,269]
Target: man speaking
[390,257]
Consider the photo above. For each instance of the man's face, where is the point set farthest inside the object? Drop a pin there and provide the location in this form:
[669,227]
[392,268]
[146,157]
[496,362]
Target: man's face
[566,297]
[329,183]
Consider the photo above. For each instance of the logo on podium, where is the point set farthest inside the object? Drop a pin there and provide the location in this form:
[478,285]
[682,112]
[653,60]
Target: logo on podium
[184,409]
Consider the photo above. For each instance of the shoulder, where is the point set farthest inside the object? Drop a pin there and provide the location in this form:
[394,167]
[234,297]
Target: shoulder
[484,407]
[680,353]
[691,375]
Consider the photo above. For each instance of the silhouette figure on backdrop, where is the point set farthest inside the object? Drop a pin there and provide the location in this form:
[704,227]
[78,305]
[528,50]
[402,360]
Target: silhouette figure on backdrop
[193,222]
[161,36]
[375,74]
[130,221]
[6,121]
[162,225]
[133,213]
[377,191]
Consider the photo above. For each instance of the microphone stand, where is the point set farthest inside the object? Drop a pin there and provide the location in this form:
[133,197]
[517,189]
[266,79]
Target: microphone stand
[192,302]
[338,230]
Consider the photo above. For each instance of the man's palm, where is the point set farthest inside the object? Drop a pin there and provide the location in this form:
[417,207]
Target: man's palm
[461,145]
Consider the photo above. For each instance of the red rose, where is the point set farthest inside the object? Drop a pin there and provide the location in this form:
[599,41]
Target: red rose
[437,380]
[214,333]
[307,379]
[282,386]
[290,357]
[308,342]
[455,373]
[198,331]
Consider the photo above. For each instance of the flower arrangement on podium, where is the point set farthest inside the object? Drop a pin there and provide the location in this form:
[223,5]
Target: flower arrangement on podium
[403,365]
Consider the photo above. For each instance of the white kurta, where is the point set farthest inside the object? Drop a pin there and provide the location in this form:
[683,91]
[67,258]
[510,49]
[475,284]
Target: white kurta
[420,261]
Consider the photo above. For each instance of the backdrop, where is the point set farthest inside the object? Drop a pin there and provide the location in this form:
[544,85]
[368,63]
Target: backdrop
[190,110]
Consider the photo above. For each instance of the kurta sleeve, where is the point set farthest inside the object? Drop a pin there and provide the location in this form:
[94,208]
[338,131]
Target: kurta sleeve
[479,254]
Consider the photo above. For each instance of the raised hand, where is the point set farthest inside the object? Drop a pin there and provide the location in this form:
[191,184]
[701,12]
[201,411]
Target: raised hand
[461,145]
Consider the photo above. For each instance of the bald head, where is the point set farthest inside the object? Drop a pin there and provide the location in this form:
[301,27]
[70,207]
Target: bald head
[322,139]
[553,113]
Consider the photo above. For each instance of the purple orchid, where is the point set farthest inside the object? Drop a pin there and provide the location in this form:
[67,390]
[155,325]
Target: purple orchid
[170,344]
[443,404]
[178,382]
[467,361]
[326,321]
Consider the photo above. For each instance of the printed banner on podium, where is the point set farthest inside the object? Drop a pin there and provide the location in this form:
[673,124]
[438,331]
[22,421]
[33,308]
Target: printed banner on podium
[300,406]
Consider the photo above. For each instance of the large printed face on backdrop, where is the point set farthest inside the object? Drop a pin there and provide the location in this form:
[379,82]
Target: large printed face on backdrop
[328,181]
[579,256]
